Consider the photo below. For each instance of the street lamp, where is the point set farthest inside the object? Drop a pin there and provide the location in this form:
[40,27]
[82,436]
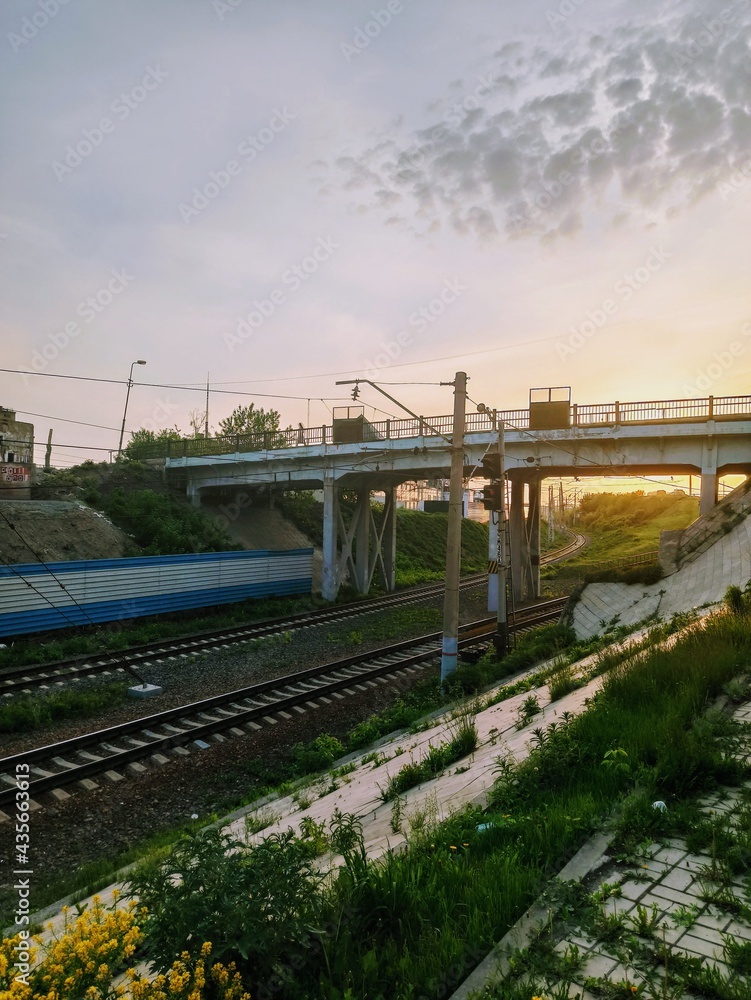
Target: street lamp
[125,411]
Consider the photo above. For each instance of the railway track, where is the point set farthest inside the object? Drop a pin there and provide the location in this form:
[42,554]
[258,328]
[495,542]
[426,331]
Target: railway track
[121,750]
[41,676]
[24,680]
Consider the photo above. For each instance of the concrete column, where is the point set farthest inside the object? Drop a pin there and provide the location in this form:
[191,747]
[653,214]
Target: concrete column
[533,534]
[492,557]
[519,546]
[194,493]
[388,542]
[362,517]
[709,490]
[330,576]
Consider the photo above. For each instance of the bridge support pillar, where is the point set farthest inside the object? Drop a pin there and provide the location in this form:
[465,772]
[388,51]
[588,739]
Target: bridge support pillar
[524,532]
[709,490]
[358,550]
[193,493]
[533,534]
[388,540]
[330,575]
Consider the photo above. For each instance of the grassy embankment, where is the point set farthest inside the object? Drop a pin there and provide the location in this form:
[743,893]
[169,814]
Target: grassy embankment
[620,525]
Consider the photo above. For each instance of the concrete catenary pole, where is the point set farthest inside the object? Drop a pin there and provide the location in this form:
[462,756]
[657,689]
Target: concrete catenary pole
[450,647]
[500,640]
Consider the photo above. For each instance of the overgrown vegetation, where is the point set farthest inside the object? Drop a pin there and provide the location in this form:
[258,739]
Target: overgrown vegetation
[159,519]
[414,924]
[462,743]
[28,713]
[619,526]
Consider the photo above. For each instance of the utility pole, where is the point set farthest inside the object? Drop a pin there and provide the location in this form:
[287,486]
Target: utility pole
[500,640]
[206,430]
[450,645]
[48,452]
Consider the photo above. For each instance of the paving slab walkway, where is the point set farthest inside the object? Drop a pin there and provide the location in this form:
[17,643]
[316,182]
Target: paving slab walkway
[664,904]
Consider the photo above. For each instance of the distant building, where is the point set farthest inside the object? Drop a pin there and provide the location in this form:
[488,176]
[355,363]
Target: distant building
[16,456]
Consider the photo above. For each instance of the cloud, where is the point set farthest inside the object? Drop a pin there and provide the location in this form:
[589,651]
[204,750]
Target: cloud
[644,119]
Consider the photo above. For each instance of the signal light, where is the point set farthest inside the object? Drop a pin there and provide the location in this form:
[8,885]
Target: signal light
[491,466]
[355,391]
[492,496]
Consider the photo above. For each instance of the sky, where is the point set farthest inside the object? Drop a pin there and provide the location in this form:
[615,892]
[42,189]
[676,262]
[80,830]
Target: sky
[276,194]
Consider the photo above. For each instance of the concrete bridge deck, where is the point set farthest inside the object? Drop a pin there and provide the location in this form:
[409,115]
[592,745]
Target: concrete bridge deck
[708,437]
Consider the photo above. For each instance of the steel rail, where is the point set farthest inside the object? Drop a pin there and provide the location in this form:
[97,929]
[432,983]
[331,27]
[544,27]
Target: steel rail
[231,710]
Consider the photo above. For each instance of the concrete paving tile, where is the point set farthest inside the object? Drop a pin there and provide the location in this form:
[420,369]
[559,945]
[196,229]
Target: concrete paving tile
[673,895]
[737,929]
[598,966]
[670,855]
[707,946]
[635,890]
[719,922]
[677,878]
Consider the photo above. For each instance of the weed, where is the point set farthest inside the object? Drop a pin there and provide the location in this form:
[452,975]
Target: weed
[395,823]
[529,709]
[645,922]
[257,821]
[685,916]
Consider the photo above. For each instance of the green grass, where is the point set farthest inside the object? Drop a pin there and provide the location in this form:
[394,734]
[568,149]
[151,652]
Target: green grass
[620,525]
[29,713]
[413,924]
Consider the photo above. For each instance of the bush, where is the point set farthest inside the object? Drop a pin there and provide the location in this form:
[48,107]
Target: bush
[256,905]
[318,755]
[161,525]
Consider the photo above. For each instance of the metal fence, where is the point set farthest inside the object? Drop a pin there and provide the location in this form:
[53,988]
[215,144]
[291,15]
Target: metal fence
[581,415]
[39,596]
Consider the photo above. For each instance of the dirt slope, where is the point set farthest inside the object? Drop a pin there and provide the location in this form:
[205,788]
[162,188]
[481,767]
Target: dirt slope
[260,528]
[56,531]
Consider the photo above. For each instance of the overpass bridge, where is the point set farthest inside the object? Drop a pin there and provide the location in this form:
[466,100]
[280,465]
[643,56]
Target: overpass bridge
[708,437]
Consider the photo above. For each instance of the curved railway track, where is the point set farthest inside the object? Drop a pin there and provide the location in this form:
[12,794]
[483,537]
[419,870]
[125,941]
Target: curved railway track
[41,676]
[120,750]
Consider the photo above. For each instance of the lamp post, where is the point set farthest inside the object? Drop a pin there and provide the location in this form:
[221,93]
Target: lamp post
[125,411]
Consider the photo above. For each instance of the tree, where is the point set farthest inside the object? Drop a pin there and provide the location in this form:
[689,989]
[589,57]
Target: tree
[143,443]
[249,420]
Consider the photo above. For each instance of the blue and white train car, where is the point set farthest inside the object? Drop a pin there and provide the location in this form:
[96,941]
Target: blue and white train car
[35,597]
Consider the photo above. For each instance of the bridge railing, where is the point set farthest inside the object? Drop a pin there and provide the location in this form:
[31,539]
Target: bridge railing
[581,415]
